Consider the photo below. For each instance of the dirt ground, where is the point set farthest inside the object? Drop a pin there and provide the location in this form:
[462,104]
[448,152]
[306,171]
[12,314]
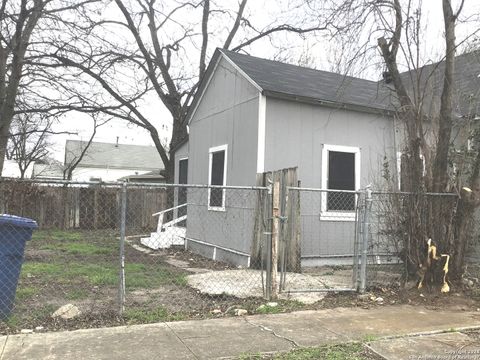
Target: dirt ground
[82,268]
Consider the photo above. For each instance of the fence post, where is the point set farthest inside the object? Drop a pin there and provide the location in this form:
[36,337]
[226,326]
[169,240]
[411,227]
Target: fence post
[268,257]
[365,236]
[123,213]
[275,235]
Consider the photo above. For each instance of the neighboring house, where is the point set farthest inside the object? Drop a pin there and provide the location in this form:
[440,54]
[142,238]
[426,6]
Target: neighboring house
[110,161]
[51,171]
[252,115]
[150,177]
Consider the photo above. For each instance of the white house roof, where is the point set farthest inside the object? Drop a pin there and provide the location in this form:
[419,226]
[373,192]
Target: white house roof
[114,156]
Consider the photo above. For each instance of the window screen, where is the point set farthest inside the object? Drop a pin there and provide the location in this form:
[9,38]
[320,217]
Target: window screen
[216,178]
[341,176]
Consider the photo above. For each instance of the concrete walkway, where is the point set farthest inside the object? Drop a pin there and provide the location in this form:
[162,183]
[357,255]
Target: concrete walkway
[231,337]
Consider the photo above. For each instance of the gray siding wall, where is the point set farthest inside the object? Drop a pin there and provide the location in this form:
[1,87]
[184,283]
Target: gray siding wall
[295,135]
[296,132]
[227,114]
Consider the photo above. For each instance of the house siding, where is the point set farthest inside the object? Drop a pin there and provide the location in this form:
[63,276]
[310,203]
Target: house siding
[227,115]
[295,135]
[81,173]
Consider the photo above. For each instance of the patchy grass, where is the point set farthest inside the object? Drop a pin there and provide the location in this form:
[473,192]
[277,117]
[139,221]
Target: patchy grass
[79,248]
[77,294]
[24,293]
[152,276]
[41,268]
[137,275]
[265,309]
[56,236]
[369,338]
[348,351]
[282,307]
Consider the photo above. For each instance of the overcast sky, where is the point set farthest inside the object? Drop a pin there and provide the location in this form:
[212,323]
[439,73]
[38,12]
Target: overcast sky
[319,51]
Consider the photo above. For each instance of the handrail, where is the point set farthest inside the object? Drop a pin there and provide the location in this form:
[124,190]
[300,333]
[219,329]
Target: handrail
[167,210]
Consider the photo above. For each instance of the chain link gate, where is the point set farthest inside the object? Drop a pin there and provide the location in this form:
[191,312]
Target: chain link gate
[321,237]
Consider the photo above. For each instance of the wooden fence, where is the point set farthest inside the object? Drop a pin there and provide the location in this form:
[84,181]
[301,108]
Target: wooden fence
[81,206]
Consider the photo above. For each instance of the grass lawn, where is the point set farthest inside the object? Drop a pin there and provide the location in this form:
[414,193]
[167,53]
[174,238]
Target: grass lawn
[348,351]
[83,268]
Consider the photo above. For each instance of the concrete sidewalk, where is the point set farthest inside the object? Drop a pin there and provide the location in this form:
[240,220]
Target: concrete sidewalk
[230,337]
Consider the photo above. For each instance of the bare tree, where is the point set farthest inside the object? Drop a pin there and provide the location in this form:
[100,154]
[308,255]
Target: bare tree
[425,112]
[163,49]
[24,25]
[28,141]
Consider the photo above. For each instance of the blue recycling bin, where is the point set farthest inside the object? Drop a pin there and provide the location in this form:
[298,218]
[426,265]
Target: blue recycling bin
[15,231]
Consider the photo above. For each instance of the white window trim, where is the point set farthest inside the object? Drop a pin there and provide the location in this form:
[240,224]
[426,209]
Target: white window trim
[210,158]
[337,215]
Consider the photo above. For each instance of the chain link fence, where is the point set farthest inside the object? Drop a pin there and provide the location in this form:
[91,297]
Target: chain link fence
[140,252]
[198,257]
[123,252]
[72,257]
[323,236]
[398,220]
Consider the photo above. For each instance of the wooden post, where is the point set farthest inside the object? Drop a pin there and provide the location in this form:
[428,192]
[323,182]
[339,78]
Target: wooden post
[275,235]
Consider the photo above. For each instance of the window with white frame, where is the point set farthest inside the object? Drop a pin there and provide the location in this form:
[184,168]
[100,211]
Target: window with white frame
[217,175]
[340,171]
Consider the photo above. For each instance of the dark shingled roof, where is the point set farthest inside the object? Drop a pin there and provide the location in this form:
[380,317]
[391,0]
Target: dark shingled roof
[114,156]
[466,84]
[284,80]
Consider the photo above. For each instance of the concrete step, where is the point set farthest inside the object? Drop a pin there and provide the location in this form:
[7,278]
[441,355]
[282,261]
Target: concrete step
[172,235]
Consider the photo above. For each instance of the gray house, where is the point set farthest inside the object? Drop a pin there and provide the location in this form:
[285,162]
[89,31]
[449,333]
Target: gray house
[251,116]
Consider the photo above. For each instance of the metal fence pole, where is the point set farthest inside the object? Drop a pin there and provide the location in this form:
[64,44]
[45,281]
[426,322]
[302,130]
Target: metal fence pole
[365,236]
[123,213]
[268,257]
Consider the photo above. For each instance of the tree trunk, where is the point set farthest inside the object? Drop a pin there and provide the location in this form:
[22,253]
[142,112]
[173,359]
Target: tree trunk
[440,174]
[3,147]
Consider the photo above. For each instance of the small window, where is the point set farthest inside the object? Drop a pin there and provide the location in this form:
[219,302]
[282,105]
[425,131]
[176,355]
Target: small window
[182,191]
[217,176]
[340,171]
[341,176]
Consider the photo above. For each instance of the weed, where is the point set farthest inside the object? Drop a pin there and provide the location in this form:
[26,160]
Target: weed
[56,236]
[24,293]
[13,321]
[42,313]
[77,294]
[369,338]
[349,351]
[142,316]
[148,277]
[251,357]
[79,248]
[40,268]
[265,309]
